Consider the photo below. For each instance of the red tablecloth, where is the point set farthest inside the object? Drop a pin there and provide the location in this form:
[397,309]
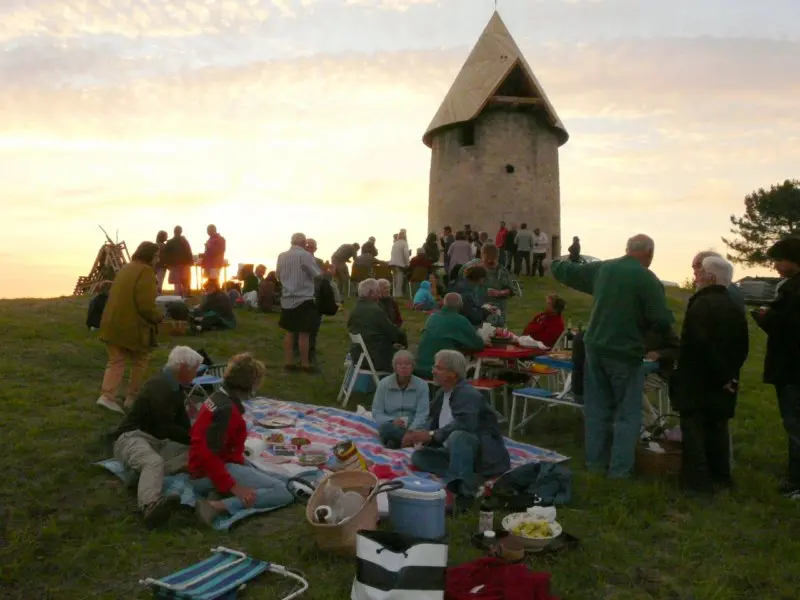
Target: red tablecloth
[513,353]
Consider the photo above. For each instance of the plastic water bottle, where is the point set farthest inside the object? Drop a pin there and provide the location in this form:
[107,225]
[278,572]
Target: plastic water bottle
[485,518]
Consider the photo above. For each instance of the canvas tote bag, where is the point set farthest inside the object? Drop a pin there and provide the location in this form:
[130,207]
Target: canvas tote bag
[391,566]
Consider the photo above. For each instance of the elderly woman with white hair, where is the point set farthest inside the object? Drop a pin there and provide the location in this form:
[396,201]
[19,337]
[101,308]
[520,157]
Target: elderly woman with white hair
[153,439]
[401,402]
[381,337]
[733,290]
[388,303]
[714,346]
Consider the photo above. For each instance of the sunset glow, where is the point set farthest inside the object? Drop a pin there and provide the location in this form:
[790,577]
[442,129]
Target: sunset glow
[267,117]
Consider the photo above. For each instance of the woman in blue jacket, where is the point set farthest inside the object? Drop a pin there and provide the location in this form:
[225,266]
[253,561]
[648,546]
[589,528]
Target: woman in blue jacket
[401,402]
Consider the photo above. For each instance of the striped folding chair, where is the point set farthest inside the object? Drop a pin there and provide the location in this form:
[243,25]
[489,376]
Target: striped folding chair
[219,577]
[208,381]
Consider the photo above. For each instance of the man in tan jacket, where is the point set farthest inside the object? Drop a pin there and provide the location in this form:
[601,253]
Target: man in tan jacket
[129,325]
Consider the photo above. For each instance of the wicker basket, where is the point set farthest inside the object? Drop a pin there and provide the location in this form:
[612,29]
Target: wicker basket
[341,537]
[169,327]
[659,464]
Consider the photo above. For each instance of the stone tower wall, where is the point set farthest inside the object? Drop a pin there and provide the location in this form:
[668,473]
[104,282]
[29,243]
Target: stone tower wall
[470,184]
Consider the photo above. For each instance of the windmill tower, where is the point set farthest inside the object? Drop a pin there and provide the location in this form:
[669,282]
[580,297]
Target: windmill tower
[494,144]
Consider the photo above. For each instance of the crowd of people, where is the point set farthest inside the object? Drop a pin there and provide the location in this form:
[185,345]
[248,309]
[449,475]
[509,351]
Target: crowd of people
[456,434]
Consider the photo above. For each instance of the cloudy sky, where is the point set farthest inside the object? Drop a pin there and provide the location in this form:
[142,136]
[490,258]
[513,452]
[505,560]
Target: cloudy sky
[270,116]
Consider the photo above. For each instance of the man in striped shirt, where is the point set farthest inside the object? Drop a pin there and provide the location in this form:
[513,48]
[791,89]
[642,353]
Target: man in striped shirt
[296,271]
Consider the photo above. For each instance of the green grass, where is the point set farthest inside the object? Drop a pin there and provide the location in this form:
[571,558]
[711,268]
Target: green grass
[70,530]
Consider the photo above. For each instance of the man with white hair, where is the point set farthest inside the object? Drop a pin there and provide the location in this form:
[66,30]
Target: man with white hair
[153,439]
[714,346]
[464,443]
[629,302]
[447,329]
[733,290]
[297,271]
[381,337]
[399,261]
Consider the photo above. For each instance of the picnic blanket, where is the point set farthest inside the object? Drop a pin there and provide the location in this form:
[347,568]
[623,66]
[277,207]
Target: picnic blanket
[180,485]
[328,426]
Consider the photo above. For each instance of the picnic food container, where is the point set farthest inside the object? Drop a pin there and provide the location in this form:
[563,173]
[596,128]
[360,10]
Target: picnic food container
[313,455]
[418,508]
[341,537]
[348,456]
[530,544]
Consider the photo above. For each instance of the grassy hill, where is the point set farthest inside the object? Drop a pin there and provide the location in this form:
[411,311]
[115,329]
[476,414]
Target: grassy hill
[70,530]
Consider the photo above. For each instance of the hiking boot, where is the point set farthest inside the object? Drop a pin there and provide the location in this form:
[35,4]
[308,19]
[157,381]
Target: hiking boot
[109,404]
[790,490]
[205,512]
[158,512]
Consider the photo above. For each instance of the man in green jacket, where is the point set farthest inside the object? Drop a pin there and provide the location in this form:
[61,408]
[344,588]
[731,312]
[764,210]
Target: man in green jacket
[629,302]
[447,329]
[382,337]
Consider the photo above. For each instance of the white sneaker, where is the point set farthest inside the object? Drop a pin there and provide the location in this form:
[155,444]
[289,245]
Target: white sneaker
[106,403]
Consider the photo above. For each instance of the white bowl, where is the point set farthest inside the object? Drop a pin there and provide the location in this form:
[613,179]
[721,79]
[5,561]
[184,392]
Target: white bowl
[531,544]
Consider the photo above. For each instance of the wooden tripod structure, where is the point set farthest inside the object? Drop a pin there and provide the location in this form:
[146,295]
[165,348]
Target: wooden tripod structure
[110,259]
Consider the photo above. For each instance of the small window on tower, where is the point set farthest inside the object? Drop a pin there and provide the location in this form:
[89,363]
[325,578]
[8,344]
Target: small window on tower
[468,134]
[509,169]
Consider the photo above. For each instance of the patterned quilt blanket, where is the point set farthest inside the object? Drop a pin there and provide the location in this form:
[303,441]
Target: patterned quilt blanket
[328,426]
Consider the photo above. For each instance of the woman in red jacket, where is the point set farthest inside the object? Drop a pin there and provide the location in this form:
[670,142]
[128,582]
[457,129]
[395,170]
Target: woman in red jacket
[548,326]
[216,451]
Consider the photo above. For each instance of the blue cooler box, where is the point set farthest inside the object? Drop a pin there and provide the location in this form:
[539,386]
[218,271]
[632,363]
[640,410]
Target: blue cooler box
[418,508]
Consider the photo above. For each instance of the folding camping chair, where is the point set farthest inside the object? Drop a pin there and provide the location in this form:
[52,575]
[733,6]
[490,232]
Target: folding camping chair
[207,376]
[354,369]
[210,376]
[219,577]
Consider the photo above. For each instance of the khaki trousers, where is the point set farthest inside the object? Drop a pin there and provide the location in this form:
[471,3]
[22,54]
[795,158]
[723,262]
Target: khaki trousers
[115,370]
[153,458]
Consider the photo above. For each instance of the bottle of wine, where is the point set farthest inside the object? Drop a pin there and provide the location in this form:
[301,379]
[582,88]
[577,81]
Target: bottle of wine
[570,335]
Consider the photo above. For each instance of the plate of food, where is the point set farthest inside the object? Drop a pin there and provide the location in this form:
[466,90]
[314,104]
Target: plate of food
[534,532]
[276,422]
[560,355]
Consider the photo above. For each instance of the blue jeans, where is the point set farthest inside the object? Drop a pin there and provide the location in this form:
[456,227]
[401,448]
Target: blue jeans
[789,403]
[271,492]
[391,435]
[455,461]
[613,393]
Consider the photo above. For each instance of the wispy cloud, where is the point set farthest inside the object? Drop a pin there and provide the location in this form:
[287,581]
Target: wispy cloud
[267,116]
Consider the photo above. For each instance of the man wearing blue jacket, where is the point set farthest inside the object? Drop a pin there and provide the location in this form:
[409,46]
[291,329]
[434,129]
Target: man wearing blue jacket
[464,443]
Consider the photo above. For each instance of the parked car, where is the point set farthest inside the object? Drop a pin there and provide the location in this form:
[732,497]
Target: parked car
[582,260]
[759,290]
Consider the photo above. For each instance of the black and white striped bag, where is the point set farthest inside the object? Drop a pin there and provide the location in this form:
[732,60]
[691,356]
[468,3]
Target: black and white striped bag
[391,566]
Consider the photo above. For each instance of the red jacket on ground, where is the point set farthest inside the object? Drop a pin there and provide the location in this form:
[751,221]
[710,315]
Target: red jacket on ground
[217,438]
[545,327]
[498,580]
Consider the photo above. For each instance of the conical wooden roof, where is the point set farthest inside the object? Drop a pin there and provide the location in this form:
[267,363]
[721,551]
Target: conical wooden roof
[493,58]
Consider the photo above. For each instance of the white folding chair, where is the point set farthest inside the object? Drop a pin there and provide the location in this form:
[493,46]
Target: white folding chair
[559,343]
[516,287]
[355,369]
